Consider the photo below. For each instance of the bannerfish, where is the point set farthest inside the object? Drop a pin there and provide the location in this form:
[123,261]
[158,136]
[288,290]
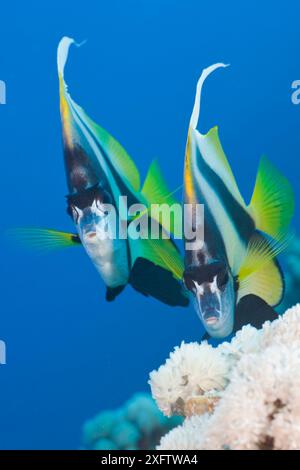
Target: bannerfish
[233,277]
[99,173]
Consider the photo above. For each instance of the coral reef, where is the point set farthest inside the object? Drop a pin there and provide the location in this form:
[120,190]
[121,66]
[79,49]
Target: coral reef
[252,398]
[192,370]
[137,425]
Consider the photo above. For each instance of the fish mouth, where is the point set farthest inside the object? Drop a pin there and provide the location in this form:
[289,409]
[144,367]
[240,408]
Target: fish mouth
[211,316]
[211,321]
[90,235]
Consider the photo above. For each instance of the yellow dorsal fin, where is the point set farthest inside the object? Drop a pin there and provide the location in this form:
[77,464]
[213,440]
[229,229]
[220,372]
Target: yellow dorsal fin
[156,191]
[272,203]
[259,272]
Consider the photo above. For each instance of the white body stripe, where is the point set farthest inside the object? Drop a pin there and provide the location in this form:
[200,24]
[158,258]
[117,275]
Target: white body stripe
[234,245]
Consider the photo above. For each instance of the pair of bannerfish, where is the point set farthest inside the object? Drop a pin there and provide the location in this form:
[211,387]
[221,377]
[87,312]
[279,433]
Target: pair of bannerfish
[233,278]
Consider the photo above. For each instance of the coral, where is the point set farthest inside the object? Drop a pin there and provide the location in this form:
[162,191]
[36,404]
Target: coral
[199,405]
[188,436]
[105,444]
[191,371]
[259,404]
[125,434]
[99,427]
[137,425]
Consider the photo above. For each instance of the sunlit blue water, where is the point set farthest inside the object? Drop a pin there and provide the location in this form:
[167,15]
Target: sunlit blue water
[70,354]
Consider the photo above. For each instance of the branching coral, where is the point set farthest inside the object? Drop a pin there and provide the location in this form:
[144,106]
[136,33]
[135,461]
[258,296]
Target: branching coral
[137,425]
[259,405]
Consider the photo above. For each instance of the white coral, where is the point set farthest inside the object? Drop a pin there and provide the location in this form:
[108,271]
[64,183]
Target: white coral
[260,407]
[246,340]
[191,370]
[284,330]
[188,436]
[262,393]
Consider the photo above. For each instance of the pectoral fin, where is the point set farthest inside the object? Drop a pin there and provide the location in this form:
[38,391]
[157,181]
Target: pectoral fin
[162,252]
[43,239]
[272,203]
[151,279]
[254,311]
[259,272]
[157,270]
[113,292]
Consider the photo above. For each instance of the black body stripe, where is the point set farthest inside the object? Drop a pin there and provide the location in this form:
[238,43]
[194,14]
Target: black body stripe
[124,190]
[243,223]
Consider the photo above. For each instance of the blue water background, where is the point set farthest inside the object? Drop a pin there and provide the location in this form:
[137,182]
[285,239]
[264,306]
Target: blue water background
[70,354]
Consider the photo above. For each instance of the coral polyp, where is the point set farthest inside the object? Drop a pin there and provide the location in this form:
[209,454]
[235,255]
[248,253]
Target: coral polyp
[258,406]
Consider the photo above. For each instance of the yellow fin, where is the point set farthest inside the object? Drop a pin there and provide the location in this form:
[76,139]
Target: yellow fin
[155,188]
[272,203]
[161,252]
[156,191]
[266,283]
[44,239]
[259,272]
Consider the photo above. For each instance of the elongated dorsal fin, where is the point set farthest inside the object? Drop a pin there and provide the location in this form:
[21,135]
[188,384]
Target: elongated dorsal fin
[209,145]
[196,109]
[73,116]
[62,54]
[272,203]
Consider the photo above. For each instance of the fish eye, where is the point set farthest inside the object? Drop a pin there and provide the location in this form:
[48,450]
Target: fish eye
[222,279]
[101,200]
[189,283]
[102,197]
[99,204]
[75,214]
